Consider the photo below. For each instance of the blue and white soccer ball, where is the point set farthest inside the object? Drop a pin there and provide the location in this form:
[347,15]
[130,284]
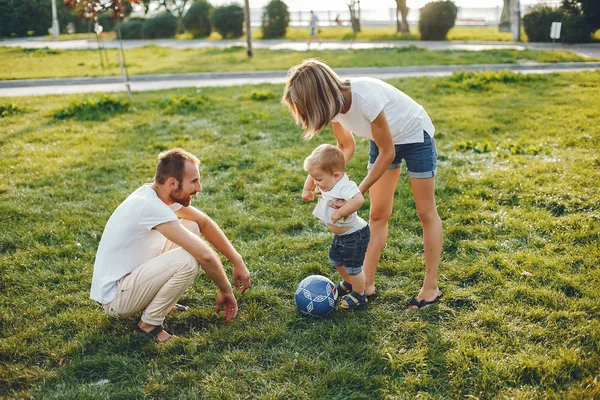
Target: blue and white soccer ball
[315,295]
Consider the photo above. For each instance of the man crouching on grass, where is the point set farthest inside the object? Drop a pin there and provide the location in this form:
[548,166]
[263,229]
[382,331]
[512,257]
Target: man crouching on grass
[150,250]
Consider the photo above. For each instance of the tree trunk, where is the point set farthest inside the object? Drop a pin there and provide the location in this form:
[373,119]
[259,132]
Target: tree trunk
[402,10]
[354,18]
[505,25]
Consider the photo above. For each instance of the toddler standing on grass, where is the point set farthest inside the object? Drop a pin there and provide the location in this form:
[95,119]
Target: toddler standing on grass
[351,237]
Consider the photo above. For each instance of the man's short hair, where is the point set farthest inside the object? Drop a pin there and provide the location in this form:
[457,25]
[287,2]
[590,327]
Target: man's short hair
[171,163]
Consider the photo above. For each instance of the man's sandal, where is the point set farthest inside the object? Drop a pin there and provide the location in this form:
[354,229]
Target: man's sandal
[343,288]
[153,333]
[422,304]
[180,307]
[354,301]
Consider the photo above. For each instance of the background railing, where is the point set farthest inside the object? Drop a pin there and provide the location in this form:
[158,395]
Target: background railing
[467,16]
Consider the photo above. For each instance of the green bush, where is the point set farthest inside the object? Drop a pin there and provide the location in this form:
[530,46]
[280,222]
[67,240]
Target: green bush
[275,19]
[538,20]
[10,109]
[24,17]
[197,19]
[93,109]
[575,26]
[164,25]
[576,29]
[133,28]
[437,18]
[228,21]
[105,19]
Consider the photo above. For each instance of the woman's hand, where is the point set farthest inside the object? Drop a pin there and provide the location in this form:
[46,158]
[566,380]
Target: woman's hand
[337,203]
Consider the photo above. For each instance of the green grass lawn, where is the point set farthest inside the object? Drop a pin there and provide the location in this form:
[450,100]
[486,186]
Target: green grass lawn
[474,33]
[517,190]
[50,63]
[389,33]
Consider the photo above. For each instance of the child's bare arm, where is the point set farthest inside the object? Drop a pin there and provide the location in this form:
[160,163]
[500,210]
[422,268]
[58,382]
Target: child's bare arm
[352,205]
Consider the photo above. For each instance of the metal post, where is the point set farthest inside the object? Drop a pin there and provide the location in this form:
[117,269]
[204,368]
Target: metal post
[54,21]
[248,28]
[125,78]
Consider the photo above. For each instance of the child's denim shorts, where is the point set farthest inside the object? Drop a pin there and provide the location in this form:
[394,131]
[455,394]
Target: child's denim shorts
[421,158]
[349,250]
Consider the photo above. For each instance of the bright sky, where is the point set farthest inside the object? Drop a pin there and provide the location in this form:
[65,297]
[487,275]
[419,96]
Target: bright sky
[334,5]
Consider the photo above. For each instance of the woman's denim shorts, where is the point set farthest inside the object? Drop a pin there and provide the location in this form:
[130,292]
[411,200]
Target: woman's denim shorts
[421,158]
[349,250]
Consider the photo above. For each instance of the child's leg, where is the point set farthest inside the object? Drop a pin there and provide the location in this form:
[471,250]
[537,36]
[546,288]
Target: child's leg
[358,282]
[343,274]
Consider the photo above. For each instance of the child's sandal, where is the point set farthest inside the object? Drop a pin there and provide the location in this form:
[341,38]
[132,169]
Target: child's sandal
[343,288]
[354,301]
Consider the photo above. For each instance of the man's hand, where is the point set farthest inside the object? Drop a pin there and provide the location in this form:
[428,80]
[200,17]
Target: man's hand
[241,277]
[307,195]
[227,301]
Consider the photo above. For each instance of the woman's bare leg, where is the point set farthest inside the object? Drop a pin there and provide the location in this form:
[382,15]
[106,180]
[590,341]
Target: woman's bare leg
[424,194]
[382,200]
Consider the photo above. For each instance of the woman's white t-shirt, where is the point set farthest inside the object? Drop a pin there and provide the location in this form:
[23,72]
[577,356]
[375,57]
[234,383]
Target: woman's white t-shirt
[407,119]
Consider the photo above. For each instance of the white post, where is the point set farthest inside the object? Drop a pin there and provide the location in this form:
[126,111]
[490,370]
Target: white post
[516,20]
[54,21]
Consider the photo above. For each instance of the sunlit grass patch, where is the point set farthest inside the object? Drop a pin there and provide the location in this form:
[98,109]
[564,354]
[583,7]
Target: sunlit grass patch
[10,109]
[98,108]
[516,191]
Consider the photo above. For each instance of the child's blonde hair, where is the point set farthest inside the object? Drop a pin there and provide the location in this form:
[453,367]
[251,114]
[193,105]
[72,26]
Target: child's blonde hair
[327,158]
[313,93]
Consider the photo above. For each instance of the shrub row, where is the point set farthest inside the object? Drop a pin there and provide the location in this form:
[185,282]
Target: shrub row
[576,27]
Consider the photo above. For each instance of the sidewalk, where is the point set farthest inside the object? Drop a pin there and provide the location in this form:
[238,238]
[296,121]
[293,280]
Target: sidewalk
[34,87]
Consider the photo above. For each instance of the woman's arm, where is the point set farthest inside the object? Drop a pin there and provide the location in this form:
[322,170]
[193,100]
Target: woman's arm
[382,136]
[345,140]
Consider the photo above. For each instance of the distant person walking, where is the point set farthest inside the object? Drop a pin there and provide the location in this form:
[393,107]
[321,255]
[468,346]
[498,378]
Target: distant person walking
[314,21]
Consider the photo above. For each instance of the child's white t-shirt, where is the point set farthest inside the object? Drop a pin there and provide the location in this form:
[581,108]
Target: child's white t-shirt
[129,241]
[345,189]
[407,119]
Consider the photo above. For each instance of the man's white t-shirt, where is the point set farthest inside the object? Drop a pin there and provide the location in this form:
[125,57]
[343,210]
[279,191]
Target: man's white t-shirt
[345,189]
[407,119]
[129,241]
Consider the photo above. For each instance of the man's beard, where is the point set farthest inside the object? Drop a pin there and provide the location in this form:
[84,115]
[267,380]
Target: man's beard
[180,197]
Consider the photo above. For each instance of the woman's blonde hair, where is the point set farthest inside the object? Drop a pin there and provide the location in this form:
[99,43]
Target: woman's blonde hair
[327,158]
[313,93]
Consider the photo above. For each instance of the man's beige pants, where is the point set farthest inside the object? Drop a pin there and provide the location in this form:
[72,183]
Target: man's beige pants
[157,285]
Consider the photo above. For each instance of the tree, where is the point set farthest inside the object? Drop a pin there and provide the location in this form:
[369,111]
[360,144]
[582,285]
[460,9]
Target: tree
[197,19]
[354,7]
[505,25]
[590,9]
[175,7]
[275,19]
[92,9]
[402,9]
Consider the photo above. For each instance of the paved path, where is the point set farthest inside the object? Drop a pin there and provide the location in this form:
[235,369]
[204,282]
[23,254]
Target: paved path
[168,81]
[586,50]
[31,87]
